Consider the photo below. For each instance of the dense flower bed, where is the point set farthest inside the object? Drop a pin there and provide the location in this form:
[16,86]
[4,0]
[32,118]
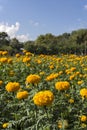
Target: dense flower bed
[43,92]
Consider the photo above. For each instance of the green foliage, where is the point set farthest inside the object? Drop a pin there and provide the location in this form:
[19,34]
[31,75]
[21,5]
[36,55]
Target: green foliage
[67,43]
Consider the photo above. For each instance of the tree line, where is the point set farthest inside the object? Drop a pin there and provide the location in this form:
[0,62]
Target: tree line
[66,43]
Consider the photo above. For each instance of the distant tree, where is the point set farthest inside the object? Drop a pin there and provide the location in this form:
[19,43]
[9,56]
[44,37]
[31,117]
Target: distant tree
[4,39]
[16,45]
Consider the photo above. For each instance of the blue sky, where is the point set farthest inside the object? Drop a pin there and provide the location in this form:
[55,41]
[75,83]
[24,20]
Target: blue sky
[27,19]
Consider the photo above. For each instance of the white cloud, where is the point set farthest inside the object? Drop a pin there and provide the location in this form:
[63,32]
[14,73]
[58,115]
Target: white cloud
[85,7]
[23,38]
[12,30]
[35,24]
[9,29]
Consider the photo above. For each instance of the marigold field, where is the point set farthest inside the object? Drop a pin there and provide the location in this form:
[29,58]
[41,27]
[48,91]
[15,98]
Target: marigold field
[43,92]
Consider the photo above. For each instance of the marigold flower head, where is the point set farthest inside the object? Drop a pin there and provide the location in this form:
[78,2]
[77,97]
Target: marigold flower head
[26,59]
[24,51]
[17,55]
[43,98]
[52,76]
[33,78]
[22,95]
[39,61]
[4,52]
[5,125]
[12,86]
[72,77]
[3,59]
[9,61]
[83,118]
[1,82]
[28,53]
[73,69]
[51,66]
[62,85]
[83,92]
[80,82]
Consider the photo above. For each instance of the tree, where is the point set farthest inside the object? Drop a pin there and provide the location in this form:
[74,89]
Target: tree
[4,39]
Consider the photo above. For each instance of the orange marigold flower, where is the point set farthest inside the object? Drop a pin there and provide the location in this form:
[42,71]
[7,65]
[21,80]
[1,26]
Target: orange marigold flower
[43,98]
[62,85]
[12,86]
[33,78]
[22,95]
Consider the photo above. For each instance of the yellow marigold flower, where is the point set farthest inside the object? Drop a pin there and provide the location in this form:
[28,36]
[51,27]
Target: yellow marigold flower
[80,82]
[52,76]
[33,78]
[12,86]
[3,60]
[71,100]
[24,51]
[28,53]
[22,95]
[83,92]
[83,118]
[62,85]
[5,125]
[9,60]
[63,124]
[73,69]
[4,52]
[77,73]
[26,59]
[72,77]
[43,98]
[61,72]
[39,61]
[17,55]
[51,66]
[1,82]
